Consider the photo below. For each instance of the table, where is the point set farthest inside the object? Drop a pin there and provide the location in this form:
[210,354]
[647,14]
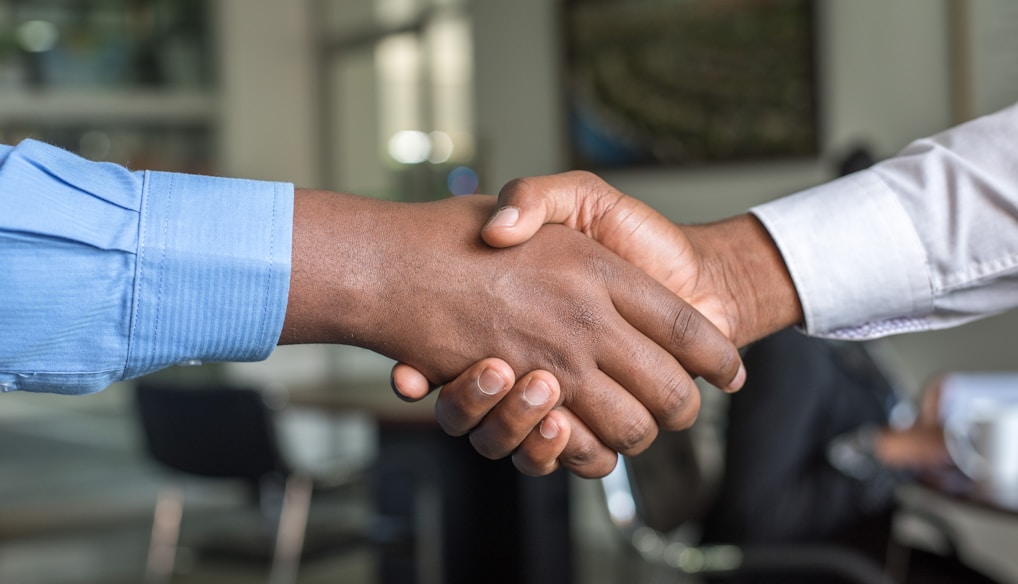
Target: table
[954,484]
[946,514]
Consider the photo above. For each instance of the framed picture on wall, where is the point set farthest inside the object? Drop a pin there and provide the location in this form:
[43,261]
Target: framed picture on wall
[689,82]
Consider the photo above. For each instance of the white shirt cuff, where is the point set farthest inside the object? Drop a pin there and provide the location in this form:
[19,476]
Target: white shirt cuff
[854,256]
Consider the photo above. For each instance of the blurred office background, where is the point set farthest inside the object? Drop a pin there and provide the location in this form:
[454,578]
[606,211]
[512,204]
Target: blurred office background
[416,100]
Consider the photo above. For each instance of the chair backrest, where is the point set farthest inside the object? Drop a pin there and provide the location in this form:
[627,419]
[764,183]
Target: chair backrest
[212,431]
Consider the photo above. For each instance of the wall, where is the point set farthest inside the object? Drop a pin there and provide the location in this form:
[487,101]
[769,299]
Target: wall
[266,79]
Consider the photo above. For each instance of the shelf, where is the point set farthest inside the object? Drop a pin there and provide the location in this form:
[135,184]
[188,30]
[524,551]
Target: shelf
[91,106]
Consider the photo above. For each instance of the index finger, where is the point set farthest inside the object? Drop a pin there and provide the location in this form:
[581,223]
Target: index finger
[686,334]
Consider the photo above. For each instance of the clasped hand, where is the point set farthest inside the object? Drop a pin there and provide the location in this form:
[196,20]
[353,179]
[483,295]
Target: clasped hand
[615,348]
[585,428]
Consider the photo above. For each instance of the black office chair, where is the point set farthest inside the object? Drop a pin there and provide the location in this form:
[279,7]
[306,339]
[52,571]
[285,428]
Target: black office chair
[229,433]
[651,496]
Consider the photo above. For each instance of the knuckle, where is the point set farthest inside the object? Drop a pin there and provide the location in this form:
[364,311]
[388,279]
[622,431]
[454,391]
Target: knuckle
[587,316]
[581,455]
[588,458]
[590,181]
[580,174]
[601,192]
[451,419]
[452,430]
[530,466]
[680,405]
[485,447]
[595,469]
[635,436]
[685,327]
[515,188]
[594,199]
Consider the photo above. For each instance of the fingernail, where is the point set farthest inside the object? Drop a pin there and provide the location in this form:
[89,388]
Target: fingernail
[536,393]
[549,428]
[395,390]
[506,217]
[740,379]
[490,382]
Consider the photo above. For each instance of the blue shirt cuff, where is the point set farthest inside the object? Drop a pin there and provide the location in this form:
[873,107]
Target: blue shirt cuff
[212,272]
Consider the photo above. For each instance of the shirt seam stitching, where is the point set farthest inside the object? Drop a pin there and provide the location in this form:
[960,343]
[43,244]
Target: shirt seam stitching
[973,273]
[138,272]
[272,257]
[162,259]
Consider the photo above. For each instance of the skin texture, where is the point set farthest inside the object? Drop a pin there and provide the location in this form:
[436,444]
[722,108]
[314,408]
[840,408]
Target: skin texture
[730,271]
[416,283]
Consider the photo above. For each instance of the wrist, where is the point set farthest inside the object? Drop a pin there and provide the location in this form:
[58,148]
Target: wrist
[748,274]
[334,281]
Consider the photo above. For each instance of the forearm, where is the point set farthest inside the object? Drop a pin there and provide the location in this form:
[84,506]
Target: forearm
[750,277]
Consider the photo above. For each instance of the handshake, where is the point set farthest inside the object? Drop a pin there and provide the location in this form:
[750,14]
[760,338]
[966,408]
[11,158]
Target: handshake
[565,320]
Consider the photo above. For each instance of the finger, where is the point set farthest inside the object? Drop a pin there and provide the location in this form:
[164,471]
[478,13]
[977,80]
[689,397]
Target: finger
[585,455]
[653,335]
[525,204]
[408,383]
[654,378]
[615,414]
[640,372]
[465,401]
[538,454]
[506,426]
[680,331]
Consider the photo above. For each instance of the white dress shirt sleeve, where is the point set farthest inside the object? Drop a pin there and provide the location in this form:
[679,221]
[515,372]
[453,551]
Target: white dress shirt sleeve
[925,240]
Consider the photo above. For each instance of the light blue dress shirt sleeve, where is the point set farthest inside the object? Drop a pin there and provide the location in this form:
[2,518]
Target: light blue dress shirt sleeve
[109,274]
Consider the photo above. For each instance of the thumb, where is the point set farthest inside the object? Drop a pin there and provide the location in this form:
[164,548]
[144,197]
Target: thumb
[504,229]
[525,204]
[517,217]
[409,384]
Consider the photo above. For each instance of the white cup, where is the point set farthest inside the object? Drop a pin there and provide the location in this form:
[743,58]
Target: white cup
[961,392]
[985,443]
[979,412]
